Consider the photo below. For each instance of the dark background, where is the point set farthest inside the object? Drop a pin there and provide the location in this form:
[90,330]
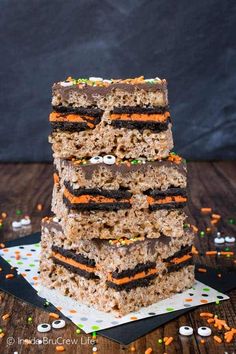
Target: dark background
[189,42]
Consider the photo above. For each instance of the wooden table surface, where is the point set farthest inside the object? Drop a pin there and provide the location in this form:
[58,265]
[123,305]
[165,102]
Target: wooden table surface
[23,186]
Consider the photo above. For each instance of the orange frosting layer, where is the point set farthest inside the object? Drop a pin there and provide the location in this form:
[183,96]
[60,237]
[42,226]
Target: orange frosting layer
[134,277]
[73,263]
[181,259]
[167,200]
[55,178]
[141,117]
[86,198]
[73,118]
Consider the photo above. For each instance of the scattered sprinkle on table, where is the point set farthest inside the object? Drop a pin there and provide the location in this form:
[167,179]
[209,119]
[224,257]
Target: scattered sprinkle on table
[6,316]
[202,270]
[148,351]
[217,339]
[60,348]
[9,276]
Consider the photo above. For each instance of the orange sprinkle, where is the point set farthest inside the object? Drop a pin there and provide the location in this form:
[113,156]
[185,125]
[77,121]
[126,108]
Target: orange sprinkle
[73,311]
[2,245]
[133,318]
[165,339]
[188,300]
[148,351]
[60,348]
[169,341]
[202,270]
[2,335]
[203,301]
[194,250]
[220,324]
[219,275]
[229,336]
[210,320]
[211,253]
[133,349]
[39,207]
[35,278]
[53,315]
[206,210]
[226,253]
[194,228]
[6,316]
[4,215]
[216,216]
[208,230]
[17,257]
[217,339]
[206,314]
[59,308]
[0,269]
[9,276]
[203,341]
[214,221]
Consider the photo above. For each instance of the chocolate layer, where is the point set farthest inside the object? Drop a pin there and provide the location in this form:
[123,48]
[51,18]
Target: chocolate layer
[89,111]
[132,284]
[168,192]
[142,267]
[117,194]
[82,273]
[140,109]
[96,206]
[69,126]
[167,206]
[72,255]
[141,125]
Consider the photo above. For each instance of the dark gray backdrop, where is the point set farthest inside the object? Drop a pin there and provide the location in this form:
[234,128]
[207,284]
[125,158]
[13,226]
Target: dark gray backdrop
[189,42]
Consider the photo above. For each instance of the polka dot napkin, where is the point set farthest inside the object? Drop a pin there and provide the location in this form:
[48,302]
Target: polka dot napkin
[26,259]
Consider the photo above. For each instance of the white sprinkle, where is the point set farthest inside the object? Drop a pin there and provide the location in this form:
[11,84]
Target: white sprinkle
[219,240]
[39,341]
[16,224]
[229,239]
[95,79]
[109,159]
[55,219]
[25,221]
[204,331]
[95,349]
[107,81]
[218,234]
[66,83]
[185,331]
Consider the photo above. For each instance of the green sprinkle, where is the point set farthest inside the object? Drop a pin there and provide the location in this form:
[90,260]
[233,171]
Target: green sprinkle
[160,341]
[37,245]
[217,302]
[94,334]
[32,265]
[231,221]
[186,226]
[1,330]
[206,289]
[169,309]
[29,319]
[227,249]
[134,162]
[18,212]
[78,331]
[173,153]
[46,304]
[19,262]
[95,327]
[202,233]
[1,225]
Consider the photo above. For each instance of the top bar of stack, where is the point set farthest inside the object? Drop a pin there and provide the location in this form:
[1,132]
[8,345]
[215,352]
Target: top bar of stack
[126,118]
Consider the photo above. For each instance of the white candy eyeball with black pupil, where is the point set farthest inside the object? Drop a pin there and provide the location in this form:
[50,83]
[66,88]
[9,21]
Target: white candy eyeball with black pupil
[96,159]
[109,159]
[229,239]
[219,240]
[44,327]
[58,324]
[185,331]
[204,331]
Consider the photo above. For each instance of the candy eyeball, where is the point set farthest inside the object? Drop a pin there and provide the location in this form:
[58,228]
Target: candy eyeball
[58,324]
[109,159]
[96,159]
[186,331]
[16,224]
[25,222]
[219,240]
[44,327]
[229,239]
[204,331]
